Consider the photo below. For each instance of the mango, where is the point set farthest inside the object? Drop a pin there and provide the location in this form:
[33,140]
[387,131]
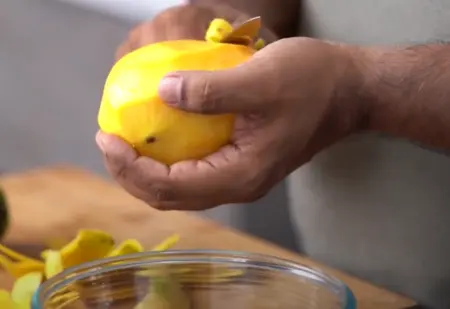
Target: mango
[132,109]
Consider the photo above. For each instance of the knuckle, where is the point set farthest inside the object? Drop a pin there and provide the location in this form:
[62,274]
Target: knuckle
[205,93]
[250,198]
[254,195]
[121,172]
[161,194]
[121,51]
[203,98]
[256,186]
[254,191]
[136,33]
[168,205]
[135,191]
[159,206]
[152,190]
[117,169]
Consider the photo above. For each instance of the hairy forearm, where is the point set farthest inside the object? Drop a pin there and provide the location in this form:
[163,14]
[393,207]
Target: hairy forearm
[280,16]
[407,91]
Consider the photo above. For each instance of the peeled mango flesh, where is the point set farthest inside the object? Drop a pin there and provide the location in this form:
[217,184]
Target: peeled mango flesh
[25,286]
[165,293]
[132,109]
[53,263]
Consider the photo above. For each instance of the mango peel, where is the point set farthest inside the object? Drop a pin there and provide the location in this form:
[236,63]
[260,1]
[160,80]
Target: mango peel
[87,246]
[132,109]
[90,245]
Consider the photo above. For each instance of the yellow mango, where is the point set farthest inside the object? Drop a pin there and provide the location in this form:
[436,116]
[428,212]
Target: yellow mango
[25,286]
[13,255]
[18,269]
[218,29]
[6,301]
[128,246]
[89,245]
[165,293]
[56,243]
[53,263]
[132,109]
[167,243]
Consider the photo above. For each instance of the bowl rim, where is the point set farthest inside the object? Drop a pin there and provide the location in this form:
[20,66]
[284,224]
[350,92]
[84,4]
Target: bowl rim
[180,256]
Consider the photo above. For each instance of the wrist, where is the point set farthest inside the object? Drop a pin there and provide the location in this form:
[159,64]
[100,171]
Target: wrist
[351,103]
[380,93]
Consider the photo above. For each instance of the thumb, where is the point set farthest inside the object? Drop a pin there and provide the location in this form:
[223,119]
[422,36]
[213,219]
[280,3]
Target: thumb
[214,92]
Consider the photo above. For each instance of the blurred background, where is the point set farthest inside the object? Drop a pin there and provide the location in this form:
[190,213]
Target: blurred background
[54,58]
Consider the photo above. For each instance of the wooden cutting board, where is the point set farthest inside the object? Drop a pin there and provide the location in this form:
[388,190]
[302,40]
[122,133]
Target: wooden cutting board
[60,200]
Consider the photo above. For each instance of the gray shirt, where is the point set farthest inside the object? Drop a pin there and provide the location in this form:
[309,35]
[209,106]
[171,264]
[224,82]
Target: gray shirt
[372,205]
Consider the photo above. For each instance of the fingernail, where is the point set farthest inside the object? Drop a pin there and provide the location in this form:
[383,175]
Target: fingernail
[100,140]
[170,89]
[108,144]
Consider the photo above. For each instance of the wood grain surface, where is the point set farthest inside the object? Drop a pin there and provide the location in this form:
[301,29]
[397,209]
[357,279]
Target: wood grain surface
[57,201]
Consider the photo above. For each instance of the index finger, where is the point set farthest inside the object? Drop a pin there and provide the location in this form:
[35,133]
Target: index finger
[124,165]
[226,176]
[122,50]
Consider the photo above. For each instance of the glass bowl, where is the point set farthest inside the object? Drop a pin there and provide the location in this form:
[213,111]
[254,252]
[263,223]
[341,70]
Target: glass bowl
[195,279]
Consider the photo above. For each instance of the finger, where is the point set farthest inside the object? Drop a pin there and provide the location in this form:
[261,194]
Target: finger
[132,42]
[146,180]
[240,89]
[142,177]
[185,205]
[122,50]
[227,176]
[118,154]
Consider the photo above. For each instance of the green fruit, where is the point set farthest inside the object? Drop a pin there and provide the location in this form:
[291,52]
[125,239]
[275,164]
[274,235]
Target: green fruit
[4,215]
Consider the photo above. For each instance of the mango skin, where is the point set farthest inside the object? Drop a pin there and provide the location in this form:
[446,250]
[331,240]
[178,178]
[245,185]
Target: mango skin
[132,109]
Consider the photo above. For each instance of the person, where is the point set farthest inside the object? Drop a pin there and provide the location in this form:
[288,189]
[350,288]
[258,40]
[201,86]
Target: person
[355,111]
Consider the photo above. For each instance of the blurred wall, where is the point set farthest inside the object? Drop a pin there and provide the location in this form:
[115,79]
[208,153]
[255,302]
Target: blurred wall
[54,57]
[131,10]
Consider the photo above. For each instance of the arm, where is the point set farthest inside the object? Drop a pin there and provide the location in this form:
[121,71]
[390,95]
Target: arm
[408,92]
[280,16]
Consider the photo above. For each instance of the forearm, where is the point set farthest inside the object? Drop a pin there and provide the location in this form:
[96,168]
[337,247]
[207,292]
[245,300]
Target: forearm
[407,92]
[280,16]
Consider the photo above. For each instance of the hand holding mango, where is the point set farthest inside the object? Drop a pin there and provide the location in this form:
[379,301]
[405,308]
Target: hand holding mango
[262,114]
[132,109]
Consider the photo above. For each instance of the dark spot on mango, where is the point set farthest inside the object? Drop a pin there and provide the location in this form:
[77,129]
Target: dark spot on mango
[150,139]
